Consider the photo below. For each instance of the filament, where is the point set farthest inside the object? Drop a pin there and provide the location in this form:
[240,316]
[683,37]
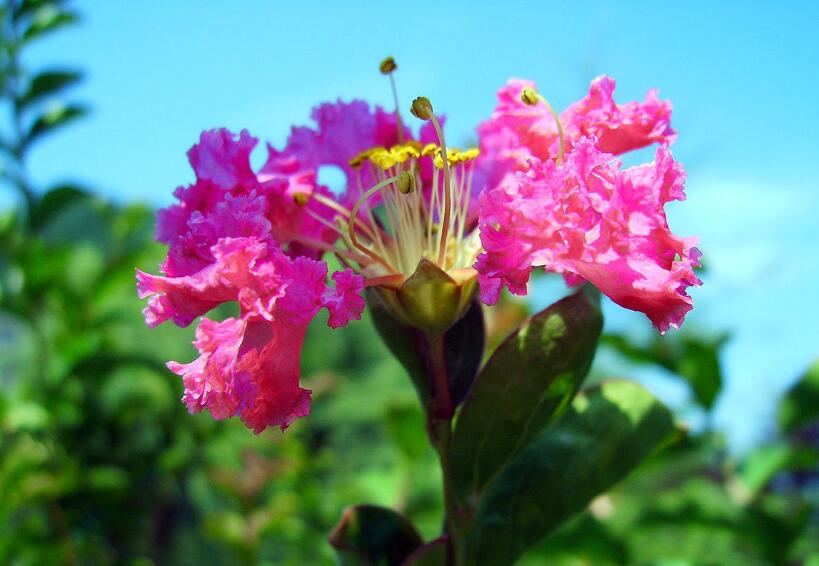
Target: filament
[354,214]
[561,141]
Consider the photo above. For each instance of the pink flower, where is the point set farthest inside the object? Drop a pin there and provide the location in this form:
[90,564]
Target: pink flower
[343,130]
[588,219]
[517,131]
[405,224]
[249,366]
[225,241]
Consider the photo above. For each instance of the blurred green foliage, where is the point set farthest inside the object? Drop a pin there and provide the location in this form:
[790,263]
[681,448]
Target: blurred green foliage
[101,463]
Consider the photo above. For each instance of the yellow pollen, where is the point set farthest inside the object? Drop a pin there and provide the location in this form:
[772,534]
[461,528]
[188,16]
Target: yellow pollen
[301,199]
[363,156]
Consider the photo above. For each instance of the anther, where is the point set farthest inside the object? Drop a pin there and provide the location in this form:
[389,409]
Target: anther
[387,66]
[529,96]
[301,199]
[421,108]
[405,183]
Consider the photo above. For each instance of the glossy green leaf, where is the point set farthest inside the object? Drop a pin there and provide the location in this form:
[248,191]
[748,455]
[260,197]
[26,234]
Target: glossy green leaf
[800,406]
[54,118]
[46,84]
[373,535]
[528,380]
[609,430]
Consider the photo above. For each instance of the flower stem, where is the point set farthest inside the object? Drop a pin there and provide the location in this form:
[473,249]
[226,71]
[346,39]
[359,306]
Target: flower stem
[439,426]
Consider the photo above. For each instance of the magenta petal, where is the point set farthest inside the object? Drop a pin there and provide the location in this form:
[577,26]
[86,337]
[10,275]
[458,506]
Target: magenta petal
[589,219]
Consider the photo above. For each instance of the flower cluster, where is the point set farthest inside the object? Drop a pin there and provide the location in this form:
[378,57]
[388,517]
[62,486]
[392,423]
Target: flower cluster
[418,222]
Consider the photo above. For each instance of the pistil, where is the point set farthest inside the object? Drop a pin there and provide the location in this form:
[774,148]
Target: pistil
[422,108]
[388,67]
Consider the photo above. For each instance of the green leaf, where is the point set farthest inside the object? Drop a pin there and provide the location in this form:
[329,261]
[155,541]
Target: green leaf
[463,344]
[373,535]
[433,553]
[526,383]
[46,84]
[800,407]
[48,18]
[58,116]
[609,430]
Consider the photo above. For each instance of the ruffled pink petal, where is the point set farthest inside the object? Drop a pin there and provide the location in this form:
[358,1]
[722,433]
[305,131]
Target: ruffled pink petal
[209,380]
[232,217]
[589,219]
[224,160]
[212,207]
[249,366]
[284,177]
[343,130]
[182,299]
[517,132]
[345,302]
[619,128]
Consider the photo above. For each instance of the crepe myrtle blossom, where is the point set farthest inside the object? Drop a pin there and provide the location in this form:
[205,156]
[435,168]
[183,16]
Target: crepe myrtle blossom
[406,225]
[562,201]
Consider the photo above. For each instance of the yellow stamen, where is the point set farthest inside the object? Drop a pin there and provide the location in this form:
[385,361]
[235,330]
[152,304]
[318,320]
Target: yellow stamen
[531,97]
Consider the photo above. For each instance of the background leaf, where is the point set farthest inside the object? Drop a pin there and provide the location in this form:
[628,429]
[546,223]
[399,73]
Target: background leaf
[694,358]
[46,18]
[609,430]
[54,118]
[800,406]
[46,84]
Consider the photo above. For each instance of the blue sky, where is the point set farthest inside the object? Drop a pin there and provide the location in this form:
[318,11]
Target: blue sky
[742,77]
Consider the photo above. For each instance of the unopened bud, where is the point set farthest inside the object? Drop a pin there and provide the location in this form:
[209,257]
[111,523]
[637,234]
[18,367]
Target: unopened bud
[421,108]
[387,66]
[301,199]
[405,183]
[529,96]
